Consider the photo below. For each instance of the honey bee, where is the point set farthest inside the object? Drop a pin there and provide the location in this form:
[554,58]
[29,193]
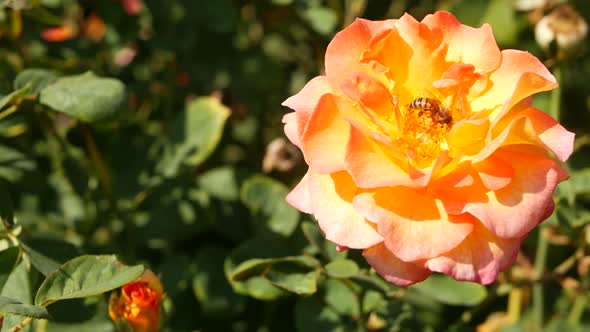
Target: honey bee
[437,111]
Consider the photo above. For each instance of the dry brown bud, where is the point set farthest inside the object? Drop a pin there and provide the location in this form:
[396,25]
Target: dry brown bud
[565,26]
[280,155]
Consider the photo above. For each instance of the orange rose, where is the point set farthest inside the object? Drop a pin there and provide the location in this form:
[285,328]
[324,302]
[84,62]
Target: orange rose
[139,303]
[424,150]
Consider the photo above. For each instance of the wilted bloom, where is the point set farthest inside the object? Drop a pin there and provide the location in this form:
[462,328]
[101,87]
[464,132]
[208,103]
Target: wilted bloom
[280,155]
[424,149]
[563,25]
[139,303]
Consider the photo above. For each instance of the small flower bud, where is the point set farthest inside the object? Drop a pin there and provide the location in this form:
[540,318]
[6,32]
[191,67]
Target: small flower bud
[138,303]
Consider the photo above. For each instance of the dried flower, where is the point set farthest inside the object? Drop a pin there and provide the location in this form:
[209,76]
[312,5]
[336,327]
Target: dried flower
[564,26]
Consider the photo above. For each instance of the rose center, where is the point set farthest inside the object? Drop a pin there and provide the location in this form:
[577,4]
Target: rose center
[426,123]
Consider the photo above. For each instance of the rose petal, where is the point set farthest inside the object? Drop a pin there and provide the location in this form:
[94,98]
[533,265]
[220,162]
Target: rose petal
[306,100]
[530,126]
[291,130]
[551,133]
[468,137]
[413,226]
[427,62]
[300,197]
[331,197]
[520,75]
[369,165]
[479,258]
[516,209]
[392,268]
[344,52]
[303,103]
[324,138]
[494,173]
[475,46]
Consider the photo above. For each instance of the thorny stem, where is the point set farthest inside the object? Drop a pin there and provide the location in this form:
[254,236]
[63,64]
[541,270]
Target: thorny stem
[96,157]
[555,97]
[577,310]
[22,324]
[540,260]
[514,304]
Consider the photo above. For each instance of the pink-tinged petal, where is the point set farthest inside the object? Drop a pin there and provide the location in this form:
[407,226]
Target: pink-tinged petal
[372,93]
[300,197]
[530,126]
[455,176]
[390,51]
[324,138]
[422,176]
[345,51]
[551,133]
[392,268]
[494,173]
[414,226]
[427,62]
[466,44]
[291,130]
[340,248]
[369,165]
[516,209]
[479,258]
[520,75]
[331,197]
[307,99]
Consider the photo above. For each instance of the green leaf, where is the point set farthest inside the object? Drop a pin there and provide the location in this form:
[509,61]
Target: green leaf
[255,256]
[14,307]
[8,258]
[42,263]
[213,291]
[446,290]
[6,208]
[222,182]
[86,97]
[258,265]
[13,164]
[373,282]
[579,182]
[342,298]
[312,316]
[196,133]
[342,268]
[260,288]
[266,199]
[14,95]
[37,78]
[42,15]
[500,15]
[80,315]
[298,283]
[85,276]
[322,19]
[18,287]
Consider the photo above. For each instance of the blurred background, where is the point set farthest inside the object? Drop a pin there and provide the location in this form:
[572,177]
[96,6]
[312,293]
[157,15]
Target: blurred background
[188,176]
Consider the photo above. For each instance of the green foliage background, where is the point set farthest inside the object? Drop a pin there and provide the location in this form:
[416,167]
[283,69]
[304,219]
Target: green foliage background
[159,161]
